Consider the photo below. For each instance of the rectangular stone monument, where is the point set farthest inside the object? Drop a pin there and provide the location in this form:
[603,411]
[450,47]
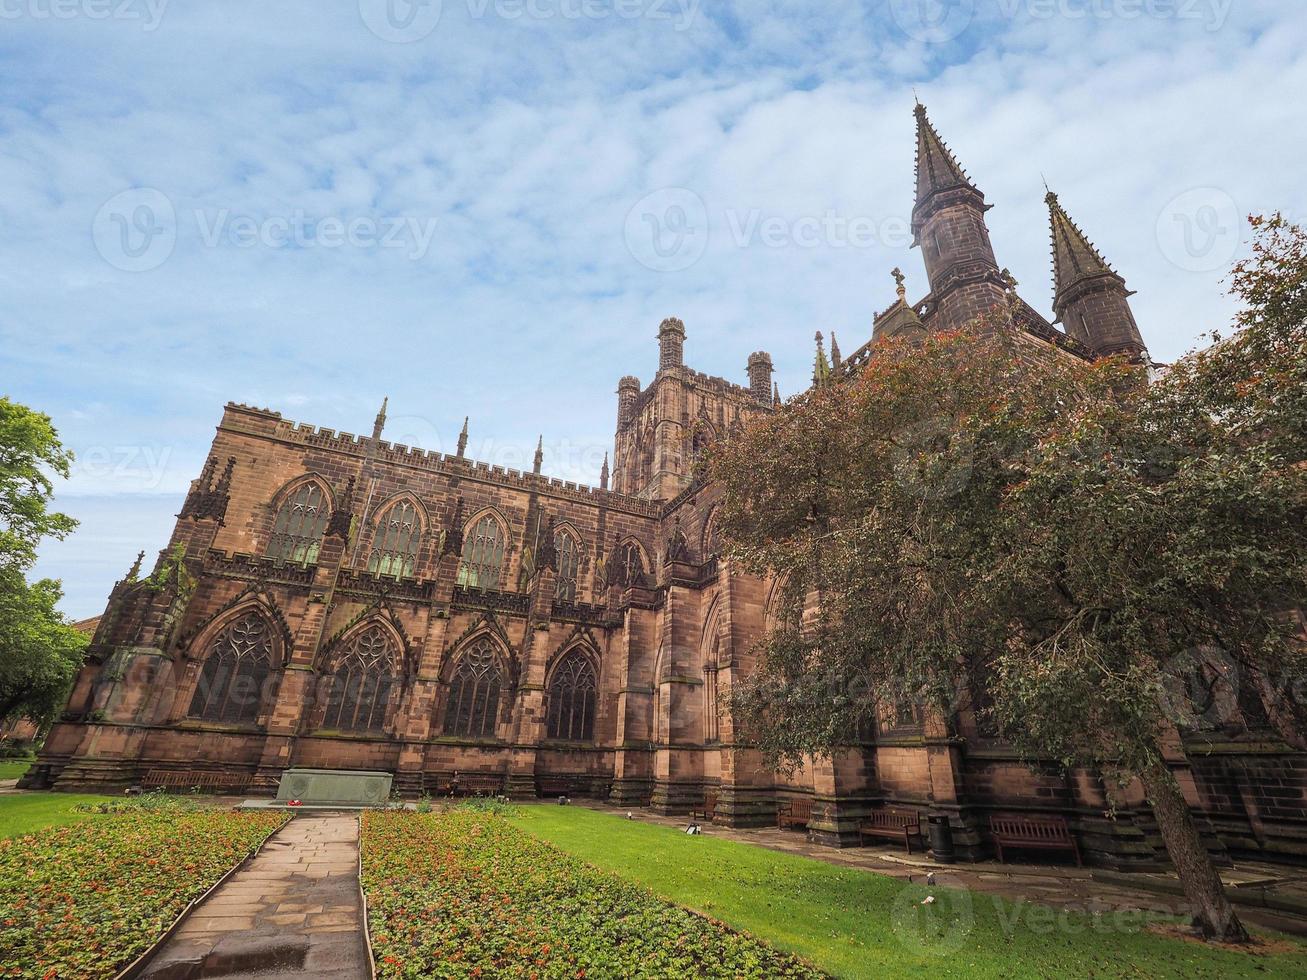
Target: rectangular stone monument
[318,787]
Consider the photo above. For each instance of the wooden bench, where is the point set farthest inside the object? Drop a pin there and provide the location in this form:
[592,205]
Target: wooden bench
[186,780]
[1042,833]
[466,784]
[896,825]
[707,811]
[793,813]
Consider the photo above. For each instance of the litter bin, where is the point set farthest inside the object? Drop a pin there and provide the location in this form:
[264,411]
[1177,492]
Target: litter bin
[941,839]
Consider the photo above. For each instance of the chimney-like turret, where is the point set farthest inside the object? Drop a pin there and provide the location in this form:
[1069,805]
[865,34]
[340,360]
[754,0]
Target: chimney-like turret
[760,370]
[671,344]
[628,390]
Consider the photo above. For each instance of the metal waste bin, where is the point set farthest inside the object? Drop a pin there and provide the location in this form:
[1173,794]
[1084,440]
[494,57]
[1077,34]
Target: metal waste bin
[941,838]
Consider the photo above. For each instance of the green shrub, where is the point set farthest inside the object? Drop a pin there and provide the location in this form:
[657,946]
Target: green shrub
[466,893]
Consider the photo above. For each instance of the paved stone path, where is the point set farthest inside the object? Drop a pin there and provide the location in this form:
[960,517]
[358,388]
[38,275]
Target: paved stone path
[294,911]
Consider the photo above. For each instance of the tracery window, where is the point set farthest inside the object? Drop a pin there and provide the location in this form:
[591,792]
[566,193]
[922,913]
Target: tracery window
[362,682]
[710,548]
[231,685]
[626,566]
[572,699]
[483,555]
[297,530]
[395,547]
[473,706]
[568,550]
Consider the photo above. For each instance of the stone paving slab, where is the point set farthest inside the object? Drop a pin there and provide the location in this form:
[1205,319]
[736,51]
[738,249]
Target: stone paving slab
[293,911]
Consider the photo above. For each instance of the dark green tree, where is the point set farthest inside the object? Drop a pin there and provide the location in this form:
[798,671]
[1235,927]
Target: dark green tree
[39,650]
[970,513]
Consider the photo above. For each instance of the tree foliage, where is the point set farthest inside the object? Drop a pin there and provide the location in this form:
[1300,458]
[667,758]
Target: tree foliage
[39,651]
[976,522]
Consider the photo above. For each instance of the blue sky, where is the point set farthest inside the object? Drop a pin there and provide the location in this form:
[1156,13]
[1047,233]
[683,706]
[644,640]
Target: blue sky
[485,207]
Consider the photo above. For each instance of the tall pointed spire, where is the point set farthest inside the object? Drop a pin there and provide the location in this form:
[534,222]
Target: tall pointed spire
[540,455]
[820,366]
[937,168]
[462,439]
[775,394]
[603,474]
[380,422]
[1074,255]
[1089,297]
[836,362]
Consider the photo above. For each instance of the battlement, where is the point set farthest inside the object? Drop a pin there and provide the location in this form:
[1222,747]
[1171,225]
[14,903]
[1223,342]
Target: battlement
[262,422]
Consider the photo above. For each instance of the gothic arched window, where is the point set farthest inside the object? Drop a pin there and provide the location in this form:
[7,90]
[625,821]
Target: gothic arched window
[568,550]
[572,699]
[473,706]
[362,682]
[626,566]
[297,531]
[232,682]
[709,547]
[483,555]
[395,547]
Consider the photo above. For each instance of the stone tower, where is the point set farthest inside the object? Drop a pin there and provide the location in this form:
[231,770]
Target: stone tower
[661,429]
[1089,297]
[948,222]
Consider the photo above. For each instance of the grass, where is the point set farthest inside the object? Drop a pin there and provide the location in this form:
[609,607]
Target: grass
[854,923]
[13,768]
[22,813]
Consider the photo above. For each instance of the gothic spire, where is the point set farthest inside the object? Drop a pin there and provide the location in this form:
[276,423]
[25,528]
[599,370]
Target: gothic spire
[937,168]
[835,360]
[540,455]
[380,422]
[603,474]
[820,366]
[1074,256]
[134,572]
[775,393]
[462,439]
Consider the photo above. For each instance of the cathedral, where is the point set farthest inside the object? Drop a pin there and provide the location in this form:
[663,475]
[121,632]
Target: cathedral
[335,601]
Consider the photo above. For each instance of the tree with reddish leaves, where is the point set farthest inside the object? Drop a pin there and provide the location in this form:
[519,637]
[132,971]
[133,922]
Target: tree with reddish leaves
[973,511]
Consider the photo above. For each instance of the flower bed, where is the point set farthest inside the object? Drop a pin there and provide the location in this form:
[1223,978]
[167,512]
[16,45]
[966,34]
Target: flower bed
[467,894]
[83,901]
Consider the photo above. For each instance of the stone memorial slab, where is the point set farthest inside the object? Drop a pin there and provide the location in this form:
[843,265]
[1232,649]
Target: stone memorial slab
[334,786]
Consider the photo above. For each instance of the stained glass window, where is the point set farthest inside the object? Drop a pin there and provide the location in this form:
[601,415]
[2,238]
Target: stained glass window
[297,531]
[572,699]
[483,555]
[569,557]
[473,707]
[395,547]
[362,683]
[232,683]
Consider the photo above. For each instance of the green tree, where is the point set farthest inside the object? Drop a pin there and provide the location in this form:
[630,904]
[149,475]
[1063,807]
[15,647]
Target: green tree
[970,514]
[39,651]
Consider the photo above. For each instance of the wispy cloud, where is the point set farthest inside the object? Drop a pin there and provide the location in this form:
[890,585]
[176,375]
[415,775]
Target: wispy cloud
[463,220]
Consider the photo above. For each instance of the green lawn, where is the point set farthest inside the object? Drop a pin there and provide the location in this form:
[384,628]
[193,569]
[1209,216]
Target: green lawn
[21,813]
[13,768]
[858,924]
